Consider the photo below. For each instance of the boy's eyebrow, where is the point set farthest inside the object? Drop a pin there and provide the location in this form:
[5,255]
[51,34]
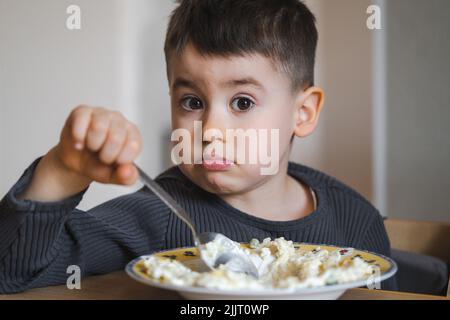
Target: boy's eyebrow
[245,81]
[181,82]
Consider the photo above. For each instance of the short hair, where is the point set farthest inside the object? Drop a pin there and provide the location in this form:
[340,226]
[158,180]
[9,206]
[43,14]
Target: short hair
[283,30]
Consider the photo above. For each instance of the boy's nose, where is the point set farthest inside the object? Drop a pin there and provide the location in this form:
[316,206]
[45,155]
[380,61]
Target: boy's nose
[214,126]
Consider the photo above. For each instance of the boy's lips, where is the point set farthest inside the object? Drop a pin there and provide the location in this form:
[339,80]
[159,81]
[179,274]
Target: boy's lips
[217,164]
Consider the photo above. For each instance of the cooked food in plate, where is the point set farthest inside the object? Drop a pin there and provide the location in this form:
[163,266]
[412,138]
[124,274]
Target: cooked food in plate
[281,265]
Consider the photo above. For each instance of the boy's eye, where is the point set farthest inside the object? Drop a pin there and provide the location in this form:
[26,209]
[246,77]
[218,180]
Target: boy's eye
[242,104]
[191,104]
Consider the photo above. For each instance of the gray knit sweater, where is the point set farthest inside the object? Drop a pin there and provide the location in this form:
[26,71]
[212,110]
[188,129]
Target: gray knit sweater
[38,241]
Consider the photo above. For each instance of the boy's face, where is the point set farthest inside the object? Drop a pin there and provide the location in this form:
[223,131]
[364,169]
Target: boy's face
[223,93]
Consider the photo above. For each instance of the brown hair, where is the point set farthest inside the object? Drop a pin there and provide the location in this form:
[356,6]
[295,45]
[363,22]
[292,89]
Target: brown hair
[283,30]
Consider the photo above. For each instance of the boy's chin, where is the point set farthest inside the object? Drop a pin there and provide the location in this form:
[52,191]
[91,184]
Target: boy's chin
[217,182]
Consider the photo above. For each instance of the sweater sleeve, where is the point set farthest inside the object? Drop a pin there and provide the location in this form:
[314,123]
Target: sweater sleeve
[376,240]
[39,241]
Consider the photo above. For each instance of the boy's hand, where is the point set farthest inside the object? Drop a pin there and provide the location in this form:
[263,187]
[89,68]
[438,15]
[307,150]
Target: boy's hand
[101,145]
[95,145]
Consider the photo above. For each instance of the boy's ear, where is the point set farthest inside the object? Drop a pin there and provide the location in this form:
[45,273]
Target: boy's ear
[308,106]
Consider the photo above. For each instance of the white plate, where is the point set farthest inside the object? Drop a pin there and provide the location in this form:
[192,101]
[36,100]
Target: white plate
[189,256]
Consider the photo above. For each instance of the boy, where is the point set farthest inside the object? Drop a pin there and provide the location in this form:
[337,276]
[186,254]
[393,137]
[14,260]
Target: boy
[231,64]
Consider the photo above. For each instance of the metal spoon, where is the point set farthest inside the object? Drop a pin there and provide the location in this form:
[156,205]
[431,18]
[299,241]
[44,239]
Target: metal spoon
[233,256]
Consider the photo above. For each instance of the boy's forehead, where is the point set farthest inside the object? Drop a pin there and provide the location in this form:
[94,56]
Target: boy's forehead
[193,66]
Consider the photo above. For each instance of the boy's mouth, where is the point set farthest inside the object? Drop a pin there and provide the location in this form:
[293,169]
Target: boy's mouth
[217,164]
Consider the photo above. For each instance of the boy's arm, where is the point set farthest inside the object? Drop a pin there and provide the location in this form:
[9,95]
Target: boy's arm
[51,181]
[41,232]
[40,240]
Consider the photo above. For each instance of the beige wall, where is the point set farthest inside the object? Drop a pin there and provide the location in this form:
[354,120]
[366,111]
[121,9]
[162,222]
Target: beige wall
[342,145]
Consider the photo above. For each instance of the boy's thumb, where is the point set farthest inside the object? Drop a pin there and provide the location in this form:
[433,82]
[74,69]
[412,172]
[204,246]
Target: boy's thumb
[125,174]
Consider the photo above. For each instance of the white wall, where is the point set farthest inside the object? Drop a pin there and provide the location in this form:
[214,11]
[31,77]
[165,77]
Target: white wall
[115,60]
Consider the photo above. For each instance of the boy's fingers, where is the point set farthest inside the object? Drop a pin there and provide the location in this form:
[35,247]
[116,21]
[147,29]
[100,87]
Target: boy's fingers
[111,141]
[115,140]
[80,119]
[98,130]
[132,146]
[103,173]
[96,170]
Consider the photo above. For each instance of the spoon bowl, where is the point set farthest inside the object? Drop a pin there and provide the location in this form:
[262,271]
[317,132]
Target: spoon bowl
[230,254]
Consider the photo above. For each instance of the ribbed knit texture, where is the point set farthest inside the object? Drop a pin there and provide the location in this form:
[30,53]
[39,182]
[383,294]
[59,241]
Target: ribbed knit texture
[38,241]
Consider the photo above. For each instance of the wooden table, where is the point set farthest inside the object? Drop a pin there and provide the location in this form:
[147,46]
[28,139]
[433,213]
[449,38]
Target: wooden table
[118,285]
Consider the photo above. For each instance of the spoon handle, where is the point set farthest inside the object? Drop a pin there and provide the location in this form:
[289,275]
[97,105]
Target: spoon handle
[168,200]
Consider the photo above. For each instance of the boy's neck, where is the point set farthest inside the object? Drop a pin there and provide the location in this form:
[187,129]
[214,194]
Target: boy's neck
[279,198]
